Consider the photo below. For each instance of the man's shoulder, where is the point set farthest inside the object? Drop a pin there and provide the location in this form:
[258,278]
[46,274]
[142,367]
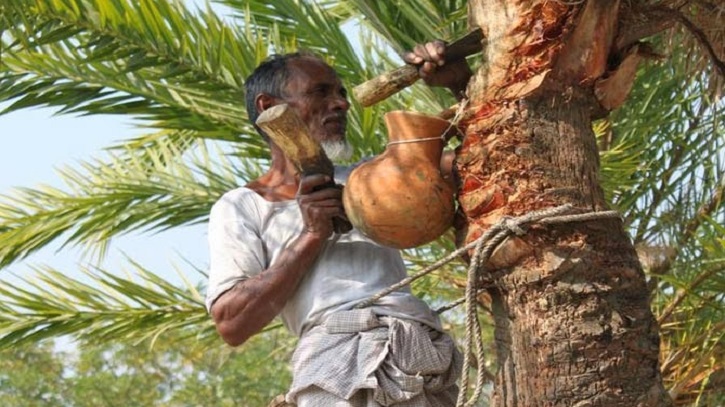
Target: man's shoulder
[235,198]
[236,194]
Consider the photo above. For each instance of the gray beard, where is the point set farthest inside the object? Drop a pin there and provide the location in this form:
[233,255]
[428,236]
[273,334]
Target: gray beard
[337,151]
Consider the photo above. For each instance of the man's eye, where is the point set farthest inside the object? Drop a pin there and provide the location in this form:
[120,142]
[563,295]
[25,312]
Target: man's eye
[320,91]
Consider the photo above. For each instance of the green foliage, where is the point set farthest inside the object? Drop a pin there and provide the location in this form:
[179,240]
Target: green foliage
[169,375]
[155,60]
[180,74]
[109,308]
[31,376]
[151,188]
[664,169]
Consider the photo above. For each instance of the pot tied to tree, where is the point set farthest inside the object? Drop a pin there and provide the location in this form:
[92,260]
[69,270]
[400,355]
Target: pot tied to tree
[399,198]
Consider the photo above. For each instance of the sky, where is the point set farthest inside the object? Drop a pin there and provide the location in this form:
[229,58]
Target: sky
[35,143]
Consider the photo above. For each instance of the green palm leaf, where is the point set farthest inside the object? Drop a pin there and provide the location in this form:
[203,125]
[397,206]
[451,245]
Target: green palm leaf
[107,308]
[664,167]
[158,189]
[180,74]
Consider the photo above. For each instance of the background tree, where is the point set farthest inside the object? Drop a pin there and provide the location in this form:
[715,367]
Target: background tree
[31,375]
[124,374]
[180,74]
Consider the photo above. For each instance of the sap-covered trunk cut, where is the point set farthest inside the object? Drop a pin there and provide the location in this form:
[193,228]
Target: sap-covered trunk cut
[573,323]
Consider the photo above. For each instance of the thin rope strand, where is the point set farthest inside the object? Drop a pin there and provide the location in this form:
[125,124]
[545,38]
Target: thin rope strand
[507,223]
[473,326]
[419,140]
[469,326]
[580,217]
[452,124]
[406,281]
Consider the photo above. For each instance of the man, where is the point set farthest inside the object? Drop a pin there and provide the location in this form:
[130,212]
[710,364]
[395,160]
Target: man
[274,252]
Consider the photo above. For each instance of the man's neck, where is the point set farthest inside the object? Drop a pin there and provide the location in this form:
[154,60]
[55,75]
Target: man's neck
[280,182]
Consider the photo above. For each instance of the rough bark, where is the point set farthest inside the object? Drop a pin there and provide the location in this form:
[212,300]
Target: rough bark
[573,323]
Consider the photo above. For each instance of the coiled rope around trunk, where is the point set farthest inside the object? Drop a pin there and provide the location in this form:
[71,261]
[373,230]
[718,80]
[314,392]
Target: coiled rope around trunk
[483,247]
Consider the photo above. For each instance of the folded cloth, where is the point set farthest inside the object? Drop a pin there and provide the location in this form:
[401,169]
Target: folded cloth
[397,360]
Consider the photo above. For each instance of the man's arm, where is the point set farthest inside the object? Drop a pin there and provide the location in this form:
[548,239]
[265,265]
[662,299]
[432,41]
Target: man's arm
[250,305]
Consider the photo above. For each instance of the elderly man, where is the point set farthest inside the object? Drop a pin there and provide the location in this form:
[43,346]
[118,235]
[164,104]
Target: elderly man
[274,252]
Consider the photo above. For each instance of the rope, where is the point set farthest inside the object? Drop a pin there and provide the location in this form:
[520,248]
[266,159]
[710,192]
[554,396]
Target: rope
[406,281]
[483,248]
[452,123]
[418,140]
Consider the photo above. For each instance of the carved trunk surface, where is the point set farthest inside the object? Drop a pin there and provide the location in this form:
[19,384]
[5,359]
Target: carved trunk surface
[573,323]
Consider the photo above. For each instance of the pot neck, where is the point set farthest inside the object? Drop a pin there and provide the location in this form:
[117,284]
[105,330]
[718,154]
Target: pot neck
[430,148]
[416,133]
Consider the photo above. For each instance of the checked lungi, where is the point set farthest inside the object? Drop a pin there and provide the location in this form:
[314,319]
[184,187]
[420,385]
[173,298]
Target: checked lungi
[358,359]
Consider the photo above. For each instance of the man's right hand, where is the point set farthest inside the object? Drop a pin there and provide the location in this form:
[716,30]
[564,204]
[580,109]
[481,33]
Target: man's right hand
[320,201]
[251,304]
[436,70]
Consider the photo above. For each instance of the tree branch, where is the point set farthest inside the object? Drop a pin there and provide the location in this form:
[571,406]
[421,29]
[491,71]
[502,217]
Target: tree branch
[642,23]
[637,24]
[703,40]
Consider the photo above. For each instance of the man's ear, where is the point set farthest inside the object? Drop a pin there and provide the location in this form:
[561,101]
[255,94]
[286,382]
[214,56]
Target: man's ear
[264,101]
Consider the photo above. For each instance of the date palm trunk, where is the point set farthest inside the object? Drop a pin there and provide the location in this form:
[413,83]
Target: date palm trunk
[572,318]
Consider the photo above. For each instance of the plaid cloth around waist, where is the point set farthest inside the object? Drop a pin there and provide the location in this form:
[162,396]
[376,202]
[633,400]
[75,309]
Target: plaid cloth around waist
[397,359]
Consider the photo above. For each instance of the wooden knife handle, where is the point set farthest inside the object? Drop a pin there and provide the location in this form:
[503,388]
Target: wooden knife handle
[389,83]
[291,135]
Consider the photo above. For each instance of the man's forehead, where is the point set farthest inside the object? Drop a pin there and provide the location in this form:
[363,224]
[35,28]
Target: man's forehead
[309,60]
[311,68]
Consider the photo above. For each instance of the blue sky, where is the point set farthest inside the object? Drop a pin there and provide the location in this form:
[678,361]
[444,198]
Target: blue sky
[36,143]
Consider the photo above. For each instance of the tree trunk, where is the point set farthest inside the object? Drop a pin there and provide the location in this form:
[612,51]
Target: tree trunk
[573,323]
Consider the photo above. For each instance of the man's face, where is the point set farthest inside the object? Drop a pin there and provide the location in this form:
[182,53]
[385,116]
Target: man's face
[315,92]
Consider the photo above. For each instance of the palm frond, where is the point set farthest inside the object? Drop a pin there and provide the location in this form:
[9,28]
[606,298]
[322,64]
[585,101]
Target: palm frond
[689,303]
[155,60]
[107,308]
[674,131]
[415,22]
[181,74]
[153,190]
[663,163]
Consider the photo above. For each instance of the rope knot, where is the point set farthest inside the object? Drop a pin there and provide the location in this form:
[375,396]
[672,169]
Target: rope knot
[482,248]
[512,225]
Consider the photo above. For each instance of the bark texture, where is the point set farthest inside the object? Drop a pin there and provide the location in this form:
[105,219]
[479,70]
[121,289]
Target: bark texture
[573,323]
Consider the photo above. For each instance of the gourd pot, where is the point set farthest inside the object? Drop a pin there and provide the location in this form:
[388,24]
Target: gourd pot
[399,198]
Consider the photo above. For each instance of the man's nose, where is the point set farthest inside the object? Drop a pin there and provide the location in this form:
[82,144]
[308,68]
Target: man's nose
[341,102]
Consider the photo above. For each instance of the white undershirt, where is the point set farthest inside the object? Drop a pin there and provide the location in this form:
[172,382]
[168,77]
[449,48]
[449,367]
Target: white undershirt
[247,233]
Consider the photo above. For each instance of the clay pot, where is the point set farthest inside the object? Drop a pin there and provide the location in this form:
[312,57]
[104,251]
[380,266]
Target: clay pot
[399,198]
